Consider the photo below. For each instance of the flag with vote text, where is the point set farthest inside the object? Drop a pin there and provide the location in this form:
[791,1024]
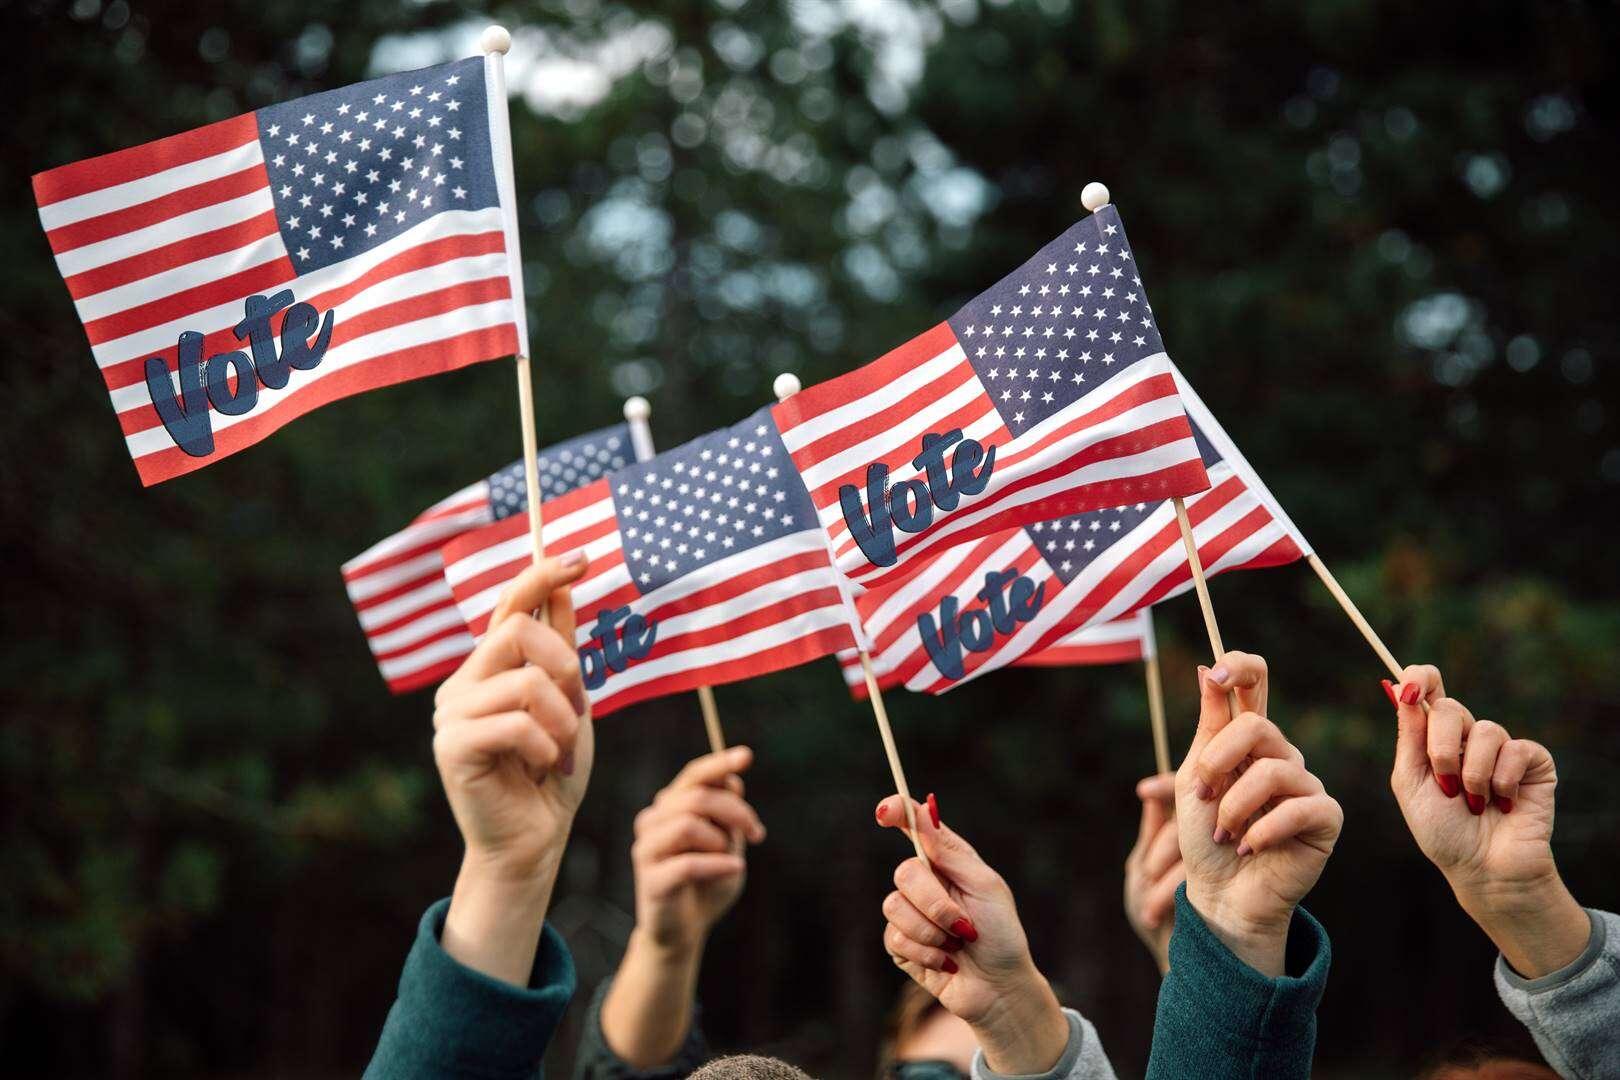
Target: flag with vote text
[236,276]
[1015,594]
[707,565]
[397,585]
[1048,394]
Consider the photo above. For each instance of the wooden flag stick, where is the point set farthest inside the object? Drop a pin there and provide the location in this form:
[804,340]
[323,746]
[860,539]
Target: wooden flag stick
[1202,587]
[637,414]
[1155,692]
[787,384]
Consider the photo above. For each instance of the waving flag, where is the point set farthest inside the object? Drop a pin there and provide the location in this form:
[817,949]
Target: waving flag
[232,278]
[397,585]
[707,565]
[1013,595]
[1048,394]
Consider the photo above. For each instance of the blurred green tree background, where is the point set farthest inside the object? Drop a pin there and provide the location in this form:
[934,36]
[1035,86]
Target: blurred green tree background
[1380,238]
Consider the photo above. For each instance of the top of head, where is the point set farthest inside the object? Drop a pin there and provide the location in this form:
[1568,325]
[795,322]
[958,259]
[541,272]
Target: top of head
[1094,196]
[637,408]
[786,385]
[495,39]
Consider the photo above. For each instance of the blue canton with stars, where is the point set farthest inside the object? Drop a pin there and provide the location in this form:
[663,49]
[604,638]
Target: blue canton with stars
[1070,544]
[353,168]
[563,467]
[1061,324]
[717,496]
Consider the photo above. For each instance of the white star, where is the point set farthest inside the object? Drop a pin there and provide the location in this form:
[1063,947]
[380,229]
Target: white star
[303,253]
[309,118]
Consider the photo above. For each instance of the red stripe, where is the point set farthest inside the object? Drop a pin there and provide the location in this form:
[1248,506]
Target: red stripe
[158,210]
[497,576]
[385,370]
[883,421]
[427,676]
[1117,652]
[404,589]
[420,257]
[423,642]
[169,256]
[122,166]
[263,278]
[405,555]
[973,661]
[893,365]
[828,493]
[973,564]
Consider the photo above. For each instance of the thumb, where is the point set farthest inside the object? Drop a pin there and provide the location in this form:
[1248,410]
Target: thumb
[949,852]
[532,589]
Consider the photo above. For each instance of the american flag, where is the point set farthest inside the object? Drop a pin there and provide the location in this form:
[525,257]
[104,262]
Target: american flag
[377,204]
[397,585]
[1089,568]
[1058,368]
[707,565]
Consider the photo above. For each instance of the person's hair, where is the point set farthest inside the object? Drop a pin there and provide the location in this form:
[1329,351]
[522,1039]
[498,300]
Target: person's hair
[912,1006]
[748,1067]
[1494,1068]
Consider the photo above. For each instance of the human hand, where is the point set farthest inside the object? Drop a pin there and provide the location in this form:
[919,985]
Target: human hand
[1153,869]
[954,928]
[514,745]
[1480,805]
[1256,827]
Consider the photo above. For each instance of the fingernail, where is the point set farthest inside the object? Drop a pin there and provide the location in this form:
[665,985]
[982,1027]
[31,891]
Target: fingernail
[1203,790]
[933,809]
[1244,849]
[1203,674]
[1389,691]
[880,812]
[1219,675]
[1504,804]
[1221,835]
[1476,803]
[573,559]
[566,765]
[1410,693]
[950,966]
[952,944]
[1448,784]
[964,930]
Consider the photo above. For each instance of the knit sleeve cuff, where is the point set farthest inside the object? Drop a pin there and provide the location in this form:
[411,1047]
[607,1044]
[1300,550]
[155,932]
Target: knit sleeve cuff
[1065,1066]
[1566,974]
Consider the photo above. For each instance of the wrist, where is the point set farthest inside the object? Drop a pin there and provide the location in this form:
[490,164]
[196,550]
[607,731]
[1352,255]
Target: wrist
[1259,939]
[664,958]
[647,1014]
[1025,1032]
[496,915]
[1537,925]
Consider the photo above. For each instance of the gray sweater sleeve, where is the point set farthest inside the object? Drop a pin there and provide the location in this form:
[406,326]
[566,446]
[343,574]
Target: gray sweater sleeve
[1574,1013]
[1083,1057]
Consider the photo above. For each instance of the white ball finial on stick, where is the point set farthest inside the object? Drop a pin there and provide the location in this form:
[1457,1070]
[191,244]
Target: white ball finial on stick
[637,408]
[786,385]
[1094,196]
[495,39]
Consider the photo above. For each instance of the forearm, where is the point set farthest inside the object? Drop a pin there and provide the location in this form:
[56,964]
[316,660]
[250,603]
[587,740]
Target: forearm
[1538,927]
[1261,944]
[1025,1033]
[496,916]
[647,1014]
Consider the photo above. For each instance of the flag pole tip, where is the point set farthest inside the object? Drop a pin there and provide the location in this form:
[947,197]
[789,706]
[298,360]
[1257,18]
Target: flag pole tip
[495,39]
[637,408]
[1094,196]
[786,385]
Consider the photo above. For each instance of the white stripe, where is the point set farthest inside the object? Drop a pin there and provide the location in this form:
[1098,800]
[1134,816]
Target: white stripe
[1107,634]
[180,227]
[866,406]
[911,591]
[311,286]
[1016,545]
[899,439]
[420,531]
[175,280]
[440,618]
[455,645]
[134,192]
[401,606]
[553,531]
[429,564]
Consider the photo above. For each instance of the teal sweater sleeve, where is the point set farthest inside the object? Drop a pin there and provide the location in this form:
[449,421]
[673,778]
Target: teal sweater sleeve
[451,1021]
[1219,1019]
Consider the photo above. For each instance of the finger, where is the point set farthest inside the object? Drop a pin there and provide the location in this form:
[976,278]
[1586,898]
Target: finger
[904,916]
[720,806]
[528,688]
[1249,736]
[952,854]
[1214,713]
[1159,903]
[692,867]
[1154,815]
[903,948]
[534,586]
[1265,780]
[1311,819]
[712,770]
[1485,742]
[479,742]
[1163,853]
[674,836]
[1420,682]
[1160,786]
[919,885]
[1449,721]
[521,640]
[1520,762]
[1244,674]
[560,610]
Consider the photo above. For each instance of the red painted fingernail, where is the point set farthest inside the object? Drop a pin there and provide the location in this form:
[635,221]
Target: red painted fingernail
[964,930]
[878,813]
[1448,784]
[1410,693]
[1476,803]
[1203,791]
[1244,849]
[1221,835]
[933,809]
[1504,804]
[950,966]
[952,944]
[1389,690]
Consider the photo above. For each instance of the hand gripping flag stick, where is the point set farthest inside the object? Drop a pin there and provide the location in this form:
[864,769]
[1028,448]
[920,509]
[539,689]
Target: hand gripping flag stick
[637,411]
[787,384]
